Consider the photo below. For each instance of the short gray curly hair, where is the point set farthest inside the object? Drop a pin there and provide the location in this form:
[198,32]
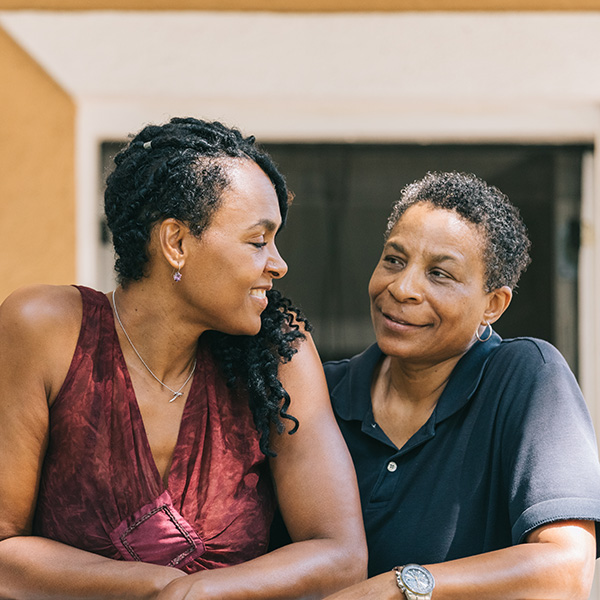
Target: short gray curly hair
[506,254]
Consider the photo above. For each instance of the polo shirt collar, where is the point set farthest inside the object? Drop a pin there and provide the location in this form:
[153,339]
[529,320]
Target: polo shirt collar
[351,397]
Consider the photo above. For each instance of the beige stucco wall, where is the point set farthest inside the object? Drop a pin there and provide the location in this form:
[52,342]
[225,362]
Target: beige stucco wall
[37,192]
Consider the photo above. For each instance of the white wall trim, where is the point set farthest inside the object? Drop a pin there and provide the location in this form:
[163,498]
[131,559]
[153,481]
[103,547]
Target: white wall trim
[589,282]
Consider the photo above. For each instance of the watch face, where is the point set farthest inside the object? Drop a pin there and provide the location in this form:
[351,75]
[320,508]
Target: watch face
[417,579]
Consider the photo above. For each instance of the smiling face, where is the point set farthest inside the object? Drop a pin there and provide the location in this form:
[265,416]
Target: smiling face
[228,270]
[428,290]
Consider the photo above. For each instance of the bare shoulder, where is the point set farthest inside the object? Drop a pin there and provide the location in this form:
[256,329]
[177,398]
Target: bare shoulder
[39,328]
[305,361]
[304,380]
[41,308]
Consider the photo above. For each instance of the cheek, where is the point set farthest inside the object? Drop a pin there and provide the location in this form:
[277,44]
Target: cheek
[370,290]
[376,284]
[470,311]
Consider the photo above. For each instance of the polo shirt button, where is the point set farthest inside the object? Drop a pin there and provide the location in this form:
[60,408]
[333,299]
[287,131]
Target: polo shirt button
[392,466]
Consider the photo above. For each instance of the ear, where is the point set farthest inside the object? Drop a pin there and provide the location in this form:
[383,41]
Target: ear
[498,301]
[170,234]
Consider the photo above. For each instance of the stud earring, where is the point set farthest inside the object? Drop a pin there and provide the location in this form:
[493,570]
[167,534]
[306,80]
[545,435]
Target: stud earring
[177,275]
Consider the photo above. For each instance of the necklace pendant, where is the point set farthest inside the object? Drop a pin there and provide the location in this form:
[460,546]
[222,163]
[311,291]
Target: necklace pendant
[177,394]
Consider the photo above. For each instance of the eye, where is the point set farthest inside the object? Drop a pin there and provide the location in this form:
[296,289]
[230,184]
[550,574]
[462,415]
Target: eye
[258,241]
[393,260]
[439,274]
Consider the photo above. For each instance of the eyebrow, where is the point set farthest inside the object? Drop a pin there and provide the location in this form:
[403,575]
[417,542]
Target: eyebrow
[443,257]
[266,223]
[434,258]
[396,247]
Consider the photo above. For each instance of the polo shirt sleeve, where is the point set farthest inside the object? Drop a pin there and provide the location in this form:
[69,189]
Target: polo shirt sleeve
[549,449]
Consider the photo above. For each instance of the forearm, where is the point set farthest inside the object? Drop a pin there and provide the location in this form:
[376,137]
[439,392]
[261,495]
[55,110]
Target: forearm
[526,571]
[308,569]
[535,571]
[37,568]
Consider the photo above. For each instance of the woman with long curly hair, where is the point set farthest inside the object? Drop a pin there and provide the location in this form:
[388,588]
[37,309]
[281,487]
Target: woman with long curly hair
[147,434]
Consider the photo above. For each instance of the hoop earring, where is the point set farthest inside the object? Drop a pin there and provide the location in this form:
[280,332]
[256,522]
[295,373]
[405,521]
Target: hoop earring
[177,275]
[489,335]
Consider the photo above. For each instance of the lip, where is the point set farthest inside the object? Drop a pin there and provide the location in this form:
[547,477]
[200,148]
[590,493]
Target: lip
[398,323]
[259,295]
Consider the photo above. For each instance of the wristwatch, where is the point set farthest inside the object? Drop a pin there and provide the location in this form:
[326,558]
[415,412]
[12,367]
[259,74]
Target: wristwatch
[415,582]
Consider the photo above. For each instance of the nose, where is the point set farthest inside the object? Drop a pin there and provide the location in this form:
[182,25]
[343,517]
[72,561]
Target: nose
[406,286]
[276,266]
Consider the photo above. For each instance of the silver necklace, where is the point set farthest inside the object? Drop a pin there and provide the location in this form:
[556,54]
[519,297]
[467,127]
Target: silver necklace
[176,393]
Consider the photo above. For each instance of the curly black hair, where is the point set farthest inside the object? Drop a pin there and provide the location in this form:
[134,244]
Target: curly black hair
[180,170]
[175,170]
[506,253]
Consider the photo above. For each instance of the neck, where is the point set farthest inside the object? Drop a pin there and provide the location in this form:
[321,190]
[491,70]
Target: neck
[403,396]
[155,330]
[419,385]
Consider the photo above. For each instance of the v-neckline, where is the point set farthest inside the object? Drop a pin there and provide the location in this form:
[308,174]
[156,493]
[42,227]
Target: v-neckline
[166,483]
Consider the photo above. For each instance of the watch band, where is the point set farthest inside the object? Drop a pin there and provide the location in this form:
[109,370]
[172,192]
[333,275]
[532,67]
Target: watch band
[408,593]
[410,596]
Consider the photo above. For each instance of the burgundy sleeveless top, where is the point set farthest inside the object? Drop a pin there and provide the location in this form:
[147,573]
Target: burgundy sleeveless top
[100,489]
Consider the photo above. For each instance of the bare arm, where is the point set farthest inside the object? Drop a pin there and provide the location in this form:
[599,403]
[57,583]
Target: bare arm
[38,333]
[319,501]
[556,563]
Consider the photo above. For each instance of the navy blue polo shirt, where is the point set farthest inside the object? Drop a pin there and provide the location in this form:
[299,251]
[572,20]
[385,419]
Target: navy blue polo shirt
[509,447]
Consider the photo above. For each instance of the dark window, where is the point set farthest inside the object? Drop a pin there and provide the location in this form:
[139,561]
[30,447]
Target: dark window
[343,196]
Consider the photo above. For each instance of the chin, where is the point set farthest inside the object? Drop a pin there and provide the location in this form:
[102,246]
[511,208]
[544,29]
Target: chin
[391,346]
[251,327]
[243,321]
[254,331]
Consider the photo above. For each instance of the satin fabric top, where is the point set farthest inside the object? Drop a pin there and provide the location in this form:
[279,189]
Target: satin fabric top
[100,489]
